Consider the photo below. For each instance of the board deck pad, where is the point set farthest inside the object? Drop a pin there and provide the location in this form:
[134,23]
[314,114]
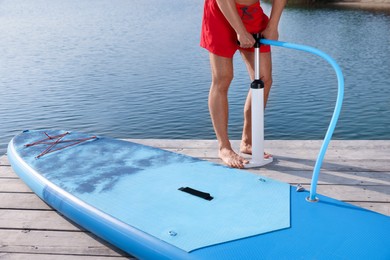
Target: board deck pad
[140,186]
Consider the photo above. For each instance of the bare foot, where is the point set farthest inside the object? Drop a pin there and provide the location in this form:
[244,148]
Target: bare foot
[232,159]
[247,149]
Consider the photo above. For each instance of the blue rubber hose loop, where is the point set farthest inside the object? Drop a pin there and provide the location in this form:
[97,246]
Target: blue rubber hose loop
[336,112]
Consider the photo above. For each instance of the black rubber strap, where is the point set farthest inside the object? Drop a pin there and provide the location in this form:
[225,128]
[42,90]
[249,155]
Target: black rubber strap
[197,193]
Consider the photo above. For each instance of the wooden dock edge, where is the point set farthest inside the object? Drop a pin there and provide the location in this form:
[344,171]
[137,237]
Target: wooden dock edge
[355,171]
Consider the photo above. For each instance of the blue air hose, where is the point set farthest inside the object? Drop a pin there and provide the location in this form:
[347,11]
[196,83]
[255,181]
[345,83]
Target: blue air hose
[340,78]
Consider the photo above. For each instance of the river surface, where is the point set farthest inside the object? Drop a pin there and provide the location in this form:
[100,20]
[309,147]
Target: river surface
[134,69]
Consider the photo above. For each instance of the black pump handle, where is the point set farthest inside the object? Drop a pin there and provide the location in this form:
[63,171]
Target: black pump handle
[257,37]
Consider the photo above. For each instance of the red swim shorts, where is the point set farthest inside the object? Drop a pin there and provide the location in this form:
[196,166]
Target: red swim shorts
[219,37]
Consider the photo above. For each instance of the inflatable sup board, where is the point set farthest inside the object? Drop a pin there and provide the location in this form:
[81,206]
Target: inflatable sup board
[156,204]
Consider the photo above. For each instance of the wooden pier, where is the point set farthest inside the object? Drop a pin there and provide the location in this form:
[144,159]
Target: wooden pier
[357,172]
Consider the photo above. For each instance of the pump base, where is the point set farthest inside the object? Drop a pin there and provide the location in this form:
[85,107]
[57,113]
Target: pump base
[256,164]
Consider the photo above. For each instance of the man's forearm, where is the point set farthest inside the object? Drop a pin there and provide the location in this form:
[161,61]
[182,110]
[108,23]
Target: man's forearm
[228,8]
[276,12]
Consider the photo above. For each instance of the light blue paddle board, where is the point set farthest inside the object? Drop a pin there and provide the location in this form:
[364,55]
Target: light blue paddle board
[156,204]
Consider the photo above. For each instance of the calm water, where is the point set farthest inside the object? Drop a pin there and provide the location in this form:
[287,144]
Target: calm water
[134,69]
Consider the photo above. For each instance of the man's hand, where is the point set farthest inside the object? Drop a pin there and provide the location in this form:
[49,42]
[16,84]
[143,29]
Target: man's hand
[246,40]
[270,33]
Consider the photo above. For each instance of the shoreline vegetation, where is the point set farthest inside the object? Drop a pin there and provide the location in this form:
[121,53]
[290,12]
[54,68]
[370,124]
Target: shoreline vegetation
[373,5]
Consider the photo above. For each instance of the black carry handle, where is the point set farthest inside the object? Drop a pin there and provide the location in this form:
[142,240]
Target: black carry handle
[197,193]
[257,37]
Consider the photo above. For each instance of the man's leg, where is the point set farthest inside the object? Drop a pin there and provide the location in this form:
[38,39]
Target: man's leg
[266,77]
[222,75]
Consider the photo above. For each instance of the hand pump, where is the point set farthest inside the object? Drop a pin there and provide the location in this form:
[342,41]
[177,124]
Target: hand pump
[257,93]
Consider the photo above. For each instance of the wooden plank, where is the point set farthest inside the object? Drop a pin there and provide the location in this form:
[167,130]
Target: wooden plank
[177,144]
[55,242]
[7,172]
[22,201]
[347,149]
[382,208]
[290,164]
[21,256]
[4,161]
[359,193]
[311,144]
[296,164]
[327,177]
[35,220]
[305,156]
[13,185]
